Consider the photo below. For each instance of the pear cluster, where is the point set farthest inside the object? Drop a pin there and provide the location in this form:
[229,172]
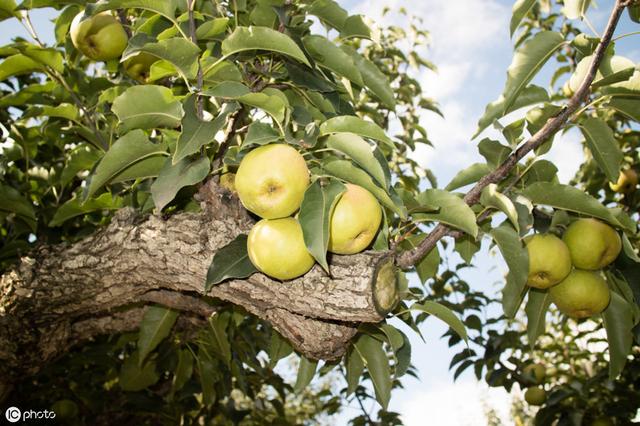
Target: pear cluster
[534,375]
[271,182]
[570,268]
[102,37]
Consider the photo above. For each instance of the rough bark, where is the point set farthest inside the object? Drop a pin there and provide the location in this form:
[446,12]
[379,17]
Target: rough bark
[62,295]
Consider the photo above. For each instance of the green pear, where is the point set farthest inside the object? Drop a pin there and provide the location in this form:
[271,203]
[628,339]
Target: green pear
[271,181]
[100,37]
[138,66]
[535,373]
[610,65]
[355,221]
[535,396]
[582,294]
[549,261]
[592,244]
[602,421]
[276,247]
[65,409]
[626,183]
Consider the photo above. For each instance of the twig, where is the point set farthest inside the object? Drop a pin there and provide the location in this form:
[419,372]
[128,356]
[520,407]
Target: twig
[229,133]
[409,258]
[194,39]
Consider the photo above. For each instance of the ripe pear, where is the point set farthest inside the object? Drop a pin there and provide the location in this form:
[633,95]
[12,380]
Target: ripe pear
[276,247]
[549,261]
[355,221]
[582,294]
[610,65]
[138,66]
[627,182]
[592,244]
[535,373]
[535,396]
[100,37]
[271,180]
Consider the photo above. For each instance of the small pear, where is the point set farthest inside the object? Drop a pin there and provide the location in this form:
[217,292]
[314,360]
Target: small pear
[592,244]
[582,294]
[549,261]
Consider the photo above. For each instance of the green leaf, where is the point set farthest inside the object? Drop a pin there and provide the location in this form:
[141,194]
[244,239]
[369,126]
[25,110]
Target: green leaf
[260,134]
[279,348]
[228,89]
[375,358]
[355,27]
[490,197]
[374,79]
[526,63]
[231,261]
[80,159]
[124,153]
[355,367]
[618,322]
[530,95]
[444,314]
[427,267]
[18,64]
[568,198]
[155,326]
[7,9]
[403,356]
[603,146]
[166,8]
[134,378]
[315,215]
[520,9]
[271,104]
[178,51]
[353,124]
[211,28]
[183,371]
[330,13]
[219,338]
[494,152]
[143,169]
[262,38]
[345,170]
[332,57]
[536,310]
[306,371]
[358,150]
[453,210]
[575,9]
[207,371]
[147,107]
[14,202]
[467,176]
[174,177]
[75,207]
[628,107]
[517,259]
[467,246]
[197,133]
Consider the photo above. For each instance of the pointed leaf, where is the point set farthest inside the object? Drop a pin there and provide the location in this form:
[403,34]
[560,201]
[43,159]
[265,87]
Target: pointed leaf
[332,57]
[355,367]
[231,261]
[517,259]
[174,177]
[527,61]
[374,79]
[219,338]
[146,107]
[536,310]
[262,38]
[279,348]
[14,202]
[490,197]
[377,363]
[358,150]
[75,207]
[183,371]
[329,12]
[260,134]
[575,9]
[453,210]
[520,9]
[134,378]
[618,321]
[353,124]
[315,214]
[178,51]
[306,371]
[156,324]
[444,314]
[124,153]
[467,176]
[603,146]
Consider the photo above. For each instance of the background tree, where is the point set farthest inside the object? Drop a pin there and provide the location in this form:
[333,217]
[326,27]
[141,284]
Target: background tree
[117,186]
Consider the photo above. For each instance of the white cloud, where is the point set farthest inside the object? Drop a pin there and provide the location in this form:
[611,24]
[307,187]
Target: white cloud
[460,404]
[567,154]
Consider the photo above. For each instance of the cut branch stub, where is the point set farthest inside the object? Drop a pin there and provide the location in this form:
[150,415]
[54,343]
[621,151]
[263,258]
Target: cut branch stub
[66,294]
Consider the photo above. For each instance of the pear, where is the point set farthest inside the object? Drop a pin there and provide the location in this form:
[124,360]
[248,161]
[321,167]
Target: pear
[626,183]
[582,294]
[535,396]
[100,37]
[592,244]
[549,261]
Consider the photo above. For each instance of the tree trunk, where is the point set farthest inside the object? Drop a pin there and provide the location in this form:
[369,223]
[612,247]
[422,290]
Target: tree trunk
[62,295]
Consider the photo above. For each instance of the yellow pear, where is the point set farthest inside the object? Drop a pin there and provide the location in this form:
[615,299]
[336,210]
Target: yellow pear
[582,294]
[549,261]
[100,37]
[535,373]
[592,244]
[355,221]
[138,66]
[627,182]
[271,180]
[276,247]
[535,396]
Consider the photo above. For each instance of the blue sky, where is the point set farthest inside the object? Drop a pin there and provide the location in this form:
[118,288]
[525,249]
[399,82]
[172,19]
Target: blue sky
[472,49]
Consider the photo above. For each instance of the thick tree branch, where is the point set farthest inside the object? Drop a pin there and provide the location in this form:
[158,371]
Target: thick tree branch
[64,294]
[409,258]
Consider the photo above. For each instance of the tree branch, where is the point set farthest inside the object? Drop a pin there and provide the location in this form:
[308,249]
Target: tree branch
[409,258]
[194,39]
